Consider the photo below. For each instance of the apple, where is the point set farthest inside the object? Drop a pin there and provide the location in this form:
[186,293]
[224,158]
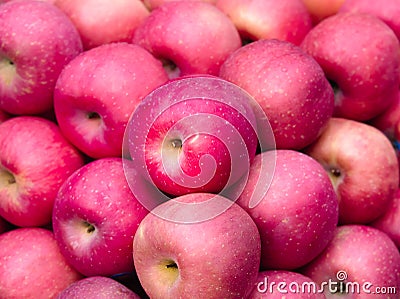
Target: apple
[287,20]
[389,13]
[190,37]
[182,258]
[277,284]
[389,222]
[359,54]
[360,262]
[97,92]
[192,134]
[288,84]
[31,265]
[102,22]
[37,41]
[35,160]
[99,287]
[95,217]
[298,214]
[153,4]
[322,9]
[362,165]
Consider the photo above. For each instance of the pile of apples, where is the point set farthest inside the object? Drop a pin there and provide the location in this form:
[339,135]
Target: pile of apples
[199,149]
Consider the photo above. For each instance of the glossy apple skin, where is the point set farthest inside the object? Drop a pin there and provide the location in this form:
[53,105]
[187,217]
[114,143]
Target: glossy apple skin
[365,254]
[363,167]
[389,13]
[37,56]
[288,84]
[195,36]
[321,9]
[118,19]
[95,217]
[110,81]
[99,287]
[216,258]
[389,222]
[360,54]
[287,20]
[35,160]
[32,266]
[278,284]
[214,122]
[298,214]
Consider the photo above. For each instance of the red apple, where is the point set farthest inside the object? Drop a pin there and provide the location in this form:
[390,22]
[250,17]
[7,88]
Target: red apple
[288,84]
[153,4]
[97,92]
[193,134]
[389,13]
[360,262]
[35,160]
[363,168]
[95,217]
[298,214]
[278,284]
[216,258]
[321,9]
[31,265]
[359,54]
[102,22]
[37,41]
[389,222]
[98,287]
[287,20]
[190,37]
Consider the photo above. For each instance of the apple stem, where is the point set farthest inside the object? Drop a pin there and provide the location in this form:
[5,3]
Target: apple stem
[176,143]
[172,265]
[335,172]
[89,227]
[93,115]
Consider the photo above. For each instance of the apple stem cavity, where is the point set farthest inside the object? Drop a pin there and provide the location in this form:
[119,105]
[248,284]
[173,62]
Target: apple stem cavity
[6,178]
[93,115]
[89,227]
[176,143]
[171,68]
[335,172]
[7,70]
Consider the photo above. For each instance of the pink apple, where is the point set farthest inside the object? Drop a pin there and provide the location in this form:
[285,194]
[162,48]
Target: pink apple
[31,265]
[216,258]
[389,222]
[95,217]
[389,13]
[190,37]
[321,9]
[287,20]
[193,134]
[102,22]
[298,214]
[362,165]
[278,284]
[360,260]
[35,160]
[37,41]
[359,54]
[153,4]
[288,84]
[98,287]
[97,92]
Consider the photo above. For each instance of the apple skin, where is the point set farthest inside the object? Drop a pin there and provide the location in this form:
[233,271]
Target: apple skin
[31,265]
[363,167]
[221,261]
[199,47]
[389,222]
[35,160]
[31,61]
[298,214]
[365,254]
[287,20]
[389,13]
[118,19]
[288,84]
[97,92]
[278,284]
[95,217]
[193,134]
[321,9]
[153,4]
[98,287]
[346,46]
